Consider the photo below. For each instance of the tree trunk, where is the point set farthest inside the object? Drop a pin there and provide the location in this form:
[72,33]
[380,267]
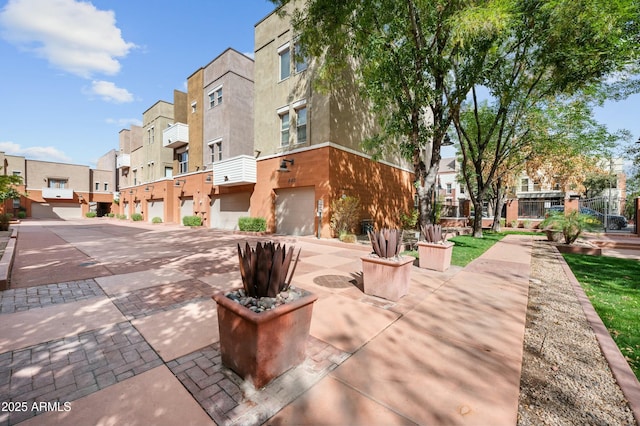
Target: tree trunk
[477,223]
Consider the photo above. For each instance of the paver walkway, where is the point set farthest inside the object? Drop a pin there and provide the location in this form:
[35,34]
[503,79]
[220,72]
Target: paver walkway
[123,331]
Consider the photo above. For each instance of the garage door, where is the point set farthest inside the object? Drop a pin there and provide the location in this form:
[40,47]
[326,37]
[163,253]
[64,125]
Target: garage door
[56,211]
[155,208]
[295,210]
[186,207]
[227,208]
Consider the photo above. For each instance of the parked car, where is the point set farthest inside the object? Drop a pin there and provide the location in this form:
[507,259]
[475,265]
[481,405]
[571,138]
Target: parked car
[615,221]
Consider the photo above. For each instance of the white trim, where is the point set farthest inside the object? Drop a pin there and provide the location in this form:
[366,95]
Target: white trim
[214,141]
[214,90]
[299,104]
[284,47]
[282,110]
[332,145]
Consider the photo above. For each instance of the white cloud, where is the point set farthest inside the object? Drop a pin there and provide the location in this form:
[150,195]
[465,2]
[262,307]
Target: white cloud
[124,122]
[71,35]
[109,92]
[45,153]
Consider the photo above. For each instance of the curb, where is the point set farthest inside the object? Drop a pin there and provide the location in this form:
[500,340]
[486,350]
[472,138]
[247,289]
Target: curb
[6,262]
[620,369]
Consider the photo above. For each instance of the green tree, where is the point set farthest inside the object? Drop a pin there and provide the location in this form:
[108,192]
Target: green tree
[7,187]
[403,55]
[554,49]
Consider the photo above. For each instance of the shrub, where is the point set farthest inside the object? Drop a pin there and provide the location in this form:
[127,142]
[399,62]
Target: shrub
[192,221]
[91,214]
[111,214]
[409,220]
[348,238]
[252,224]
[344,214]
[156,220]
[572,225]
[122,216]
[136,217]
[22,215]
[527,224]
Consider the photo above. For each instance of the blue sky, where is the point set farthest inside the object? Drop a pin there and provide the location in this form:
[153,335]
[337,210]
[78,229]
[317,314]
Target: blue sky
[73,74]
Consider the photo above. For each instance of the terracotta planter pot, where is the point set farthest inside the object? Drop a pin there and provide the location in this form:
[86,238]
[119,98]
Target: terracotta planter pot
[386,278]
[260,347]
[435,256]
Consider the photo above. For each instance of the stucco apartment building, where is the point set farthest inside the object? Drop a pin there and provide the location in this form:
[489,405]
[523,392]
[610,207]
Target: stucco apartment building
[253,138]
[56,190]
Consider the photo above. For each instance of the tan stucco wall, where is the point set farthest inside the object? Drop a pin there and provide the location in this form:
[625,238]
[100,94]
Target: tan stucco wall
[194,120]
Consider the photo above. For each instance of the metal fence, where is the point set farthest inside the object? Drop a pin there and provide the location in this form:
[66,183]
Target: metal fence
[536,209]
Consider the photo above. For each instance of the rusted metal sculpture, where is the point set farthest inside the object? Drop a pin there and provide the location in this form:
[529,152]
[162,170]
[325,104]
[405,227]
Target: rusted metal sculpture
[386,243]
[264,270]
[432,233]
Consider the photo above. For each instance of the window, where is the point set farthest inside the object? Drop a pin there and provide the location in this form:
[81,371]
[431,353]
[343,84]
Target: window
[462,189]
[17,173]
[16,203]
[183,162]
[168,172]
[193,107]
[216,152]
[285,61]
[284,129]
[448,188]
[301,61]
[57,183]
[301,125]
[106,187]
[524,185]
[97,186]
[150,135]
[215,97]
[135,177]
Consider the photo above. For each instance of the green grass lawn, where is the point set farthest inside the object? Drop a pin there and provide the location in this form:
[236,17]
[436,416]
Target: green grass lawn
[613,286]
[468,248]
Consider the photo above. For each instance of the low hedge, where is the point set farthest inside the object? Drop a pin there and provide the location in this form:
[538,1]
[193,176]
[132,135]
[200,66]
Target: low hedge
[252,224]
[192,221]
[91,214]
[136,217]
[156,220]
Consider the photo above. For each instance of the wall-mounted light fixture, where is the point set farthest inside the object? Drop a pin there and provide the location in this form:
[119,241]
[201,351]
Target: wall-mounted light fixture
[209,179]
[130,191]
[283,165]
[180,182]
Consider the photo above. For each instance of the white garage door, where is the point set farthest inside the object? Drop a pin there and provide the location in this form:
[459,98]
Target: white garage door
[155,208]
[227,208]
[295,210]
[56,211]
[186,207]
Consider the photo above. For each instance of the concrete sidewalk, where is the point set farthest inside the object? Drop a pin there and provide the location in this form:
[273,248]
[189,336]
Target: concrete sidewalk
[137,342]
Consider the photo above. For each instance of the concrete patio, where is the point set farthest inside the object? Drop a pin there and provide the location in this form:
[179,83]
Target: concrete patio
[117,319]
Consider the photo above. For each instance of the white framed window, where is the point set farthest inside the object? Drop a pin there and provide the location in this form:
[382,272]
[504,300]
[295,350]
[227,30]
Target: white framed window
[301,60]
[215,97]
[449,187]
[284,56]
[97,186]
[106,187]
[524,185]
[183,162]
[150,135]
[135,177]
[216,150]
[301,124]
[17,173]
[57,183]
[168,172]
[16,203]
[284,128]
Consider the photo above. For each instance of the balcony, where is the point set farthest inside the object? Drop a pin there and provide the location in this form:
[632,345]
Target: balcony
[175,136]
[123,161]
[240,170]
[57,193]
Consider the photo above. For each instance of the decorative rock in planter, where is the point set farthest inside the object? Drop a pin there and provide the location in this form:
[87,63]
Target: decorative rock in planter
[386,274]
[261,346]
[435,256]
[435,252]
[386,277]
[260,341]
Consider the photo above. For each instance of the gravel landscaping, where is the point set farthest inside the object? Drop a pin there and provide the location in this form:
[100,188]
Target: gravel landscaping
[565,378]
